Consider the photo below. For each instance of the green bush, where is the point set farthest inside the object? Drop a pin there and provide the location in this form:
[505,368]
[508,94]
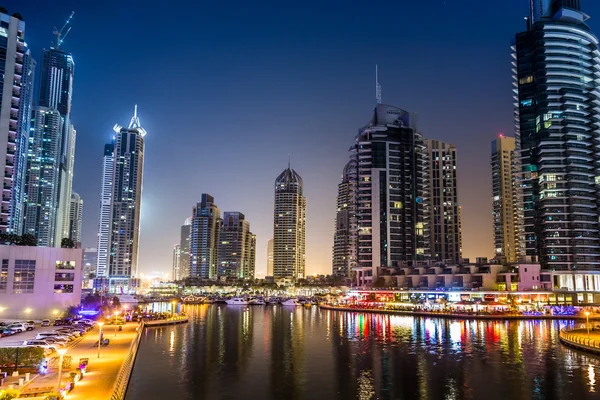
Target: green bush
[54,396]
[28,356]
[9,394]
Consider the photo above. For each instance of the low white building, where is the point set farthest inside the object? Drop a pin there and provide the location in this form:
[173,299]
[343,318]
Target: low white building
[38,282]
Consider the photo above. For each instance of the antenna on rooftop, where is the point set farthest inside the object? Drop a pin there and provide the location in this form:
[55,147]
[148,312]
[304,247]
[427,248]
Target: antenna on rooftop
[58,33]
[377,86]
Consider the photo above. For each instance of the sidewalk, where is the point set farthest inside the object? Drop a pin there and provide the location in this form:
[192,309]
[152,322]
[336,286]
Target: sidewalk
[102,372]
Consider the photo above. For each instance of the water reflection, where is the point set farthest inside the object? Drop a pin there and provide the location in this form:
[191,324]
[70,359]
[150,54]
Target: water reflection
[297,353]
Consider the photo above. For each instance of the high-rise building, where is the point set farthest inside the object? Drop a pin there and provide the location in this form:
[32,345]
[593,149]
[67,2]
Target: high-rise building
[392,193]
[204,239]
[236,248]
[184,249]
[556,90]
[76,218]
[270,258]
[105,220]
[56,92]
[90,259]
[17,69]
[126,205]
[42,176]
[344,239]
[504,199]
[176,273]
[444,216]
[289,227]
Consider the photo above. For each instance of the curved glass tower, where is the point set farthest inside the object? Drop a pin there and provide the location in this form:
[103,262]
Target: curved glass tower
[557,110]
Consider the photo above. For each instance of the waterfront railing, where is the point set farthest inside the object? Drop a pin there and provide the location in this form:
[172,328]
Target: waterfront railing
[120,387]
[579,340]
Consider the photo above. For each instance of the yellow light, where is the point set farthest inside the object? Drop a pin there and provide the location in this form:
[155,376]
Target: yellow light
[55,312]
[28,310]
[587,313]
[61,352]
[100,324]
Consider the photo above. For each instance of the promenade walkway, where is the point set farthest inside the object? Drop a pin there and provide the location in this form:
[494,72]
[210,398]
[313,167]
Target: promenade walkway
[582,339]
[102,372]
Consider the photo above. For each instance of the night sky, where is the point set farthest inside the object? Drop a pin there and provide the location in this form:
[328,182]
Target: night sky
[227,89]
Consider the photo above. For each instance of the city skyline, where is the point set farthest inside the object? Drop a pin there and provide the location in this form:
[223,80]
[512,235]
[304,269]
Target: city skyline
[315,123]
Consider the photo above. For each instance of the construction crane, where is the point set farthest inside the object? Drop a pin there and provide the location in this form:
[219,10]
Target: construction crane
[59,34]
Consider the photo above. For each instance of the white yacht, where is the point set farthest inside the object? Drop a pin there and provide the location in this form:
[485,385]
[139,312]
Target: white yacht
[291,302]
[237,301]
[256,302]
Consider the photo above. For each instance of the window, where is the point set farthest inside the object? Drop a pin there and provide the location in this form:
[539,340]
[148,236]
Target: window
[397,204]
[4,276]
[526,80]
[24,277]
[527,103]
[63,288]
[65,265]
[419,228]
[58,276]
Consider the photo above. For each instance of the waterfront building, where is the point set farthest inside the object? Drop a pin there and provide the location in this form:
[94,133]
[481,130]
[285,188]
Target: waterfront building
[56,93]
[184,249]
[444,213]
[504,199]
[76,218]
[39,282]
[126,204]
[104,219]
[392,193]
[42,177]
[176,272]
[289,226]
[344,238]
[236,248]
[17,69]
[204,239]
[270,258]
[556,89]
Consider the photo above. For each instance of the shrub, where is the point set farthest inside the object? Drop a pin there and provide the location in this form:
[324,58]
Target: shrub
[54,396]
[27,356]
[9,394]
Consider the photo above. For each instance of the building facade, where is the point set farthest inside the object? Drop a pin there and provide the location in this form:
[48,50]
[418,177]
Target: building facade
[270,258]
[556,90]
[204,239]
[236,249]
[289,227]
[504,200]
[184,248]
[42,177]
[104,219]
[345,234]
[17,69]
[39,282]
[444,215]
[176,272]
[90,259]
[392,193]
[76,218]
[126,204]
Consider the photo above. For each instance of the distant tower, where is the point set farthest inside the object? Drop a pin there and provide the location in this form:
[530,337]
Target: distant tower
[270,258]
[204,239]
[126,205]
[236,249]
[289,228]
[444,209]
[176,273]
[76,218]
[17,75]
[344,239]
[184,249]
[105,220]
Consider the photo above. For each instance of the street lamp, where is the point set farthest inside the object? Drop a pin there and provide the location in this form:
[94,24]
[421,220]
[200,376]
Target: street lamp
[116,321]
[61,353]
[100,337]
[587,322]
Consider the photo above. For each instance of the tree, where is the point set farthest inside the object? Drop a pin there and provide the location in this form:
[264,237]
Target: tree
[116,302]
[67,243]
[28,240]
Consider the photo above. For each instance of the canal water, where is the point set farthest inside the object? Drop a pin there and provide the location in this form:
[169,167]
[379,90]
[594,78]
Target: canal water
[276,352]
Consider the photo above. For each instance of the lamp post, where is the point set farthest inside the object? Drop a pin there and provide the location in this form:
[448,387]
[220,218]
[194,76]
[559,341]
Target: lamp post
[116,321]
[587,322]
[61,353]
[100,337]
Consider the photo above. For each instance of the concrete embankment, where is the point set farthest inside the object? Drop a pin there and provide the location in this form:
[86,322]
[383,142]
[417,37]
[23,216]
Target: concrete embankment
[455,315]
[581,339]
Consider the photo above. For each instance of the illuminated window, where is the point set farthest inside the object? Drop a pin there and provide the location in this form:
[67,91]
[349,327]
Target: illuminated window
[397,204]
[526,80]
[419,228]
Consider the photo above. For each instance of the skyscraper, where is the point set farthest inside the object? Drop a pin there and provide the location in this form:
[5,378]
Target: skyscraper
[289,227]
[16,88]
[556,90]
[126,205]
[504,199]
[236,248]
[444,221]
[104,219]
[184,249]
[344,239]
[76,218]
[204,238]
[176,273]
[56,92]
[392,193]
[270,258]
[42,176]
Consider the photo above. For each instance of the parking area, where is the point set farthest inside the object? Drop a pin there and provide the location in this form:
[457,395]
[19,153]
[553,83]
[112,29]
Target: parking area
[19,338]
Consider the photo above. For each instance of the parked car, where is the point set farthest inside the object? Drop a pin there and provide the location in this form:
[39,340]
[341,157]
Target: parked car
[60,322]
[68,332]
[18,326]
[44,335]
[45,322]
[30,325]
[40,343]
[55,341]
[7,332]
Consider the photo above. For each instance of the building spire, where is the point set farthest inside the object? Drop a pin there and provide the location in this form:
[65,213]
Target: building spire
[289,161]
[135,121]
[377,86]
